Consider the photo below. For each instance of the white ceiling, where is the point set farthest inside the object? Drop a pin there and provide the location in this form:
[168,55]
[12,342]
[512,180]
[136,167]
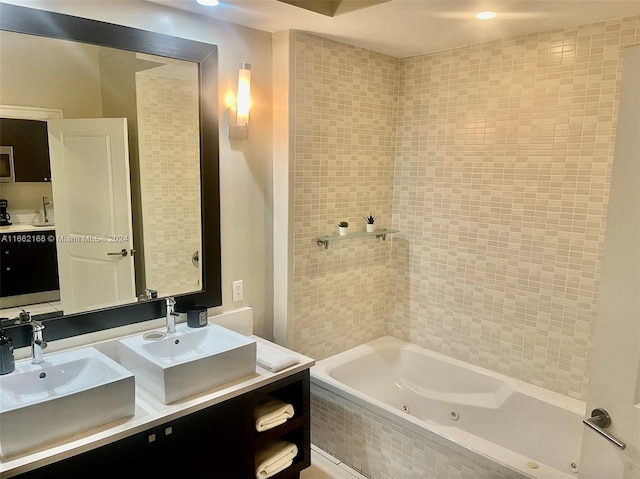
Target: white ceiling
[405,28]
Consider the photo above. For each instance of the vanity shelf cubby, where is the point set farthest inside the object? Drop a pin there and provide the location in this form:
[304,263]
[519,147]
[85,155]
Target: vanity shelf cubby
[381,233]
[293,390]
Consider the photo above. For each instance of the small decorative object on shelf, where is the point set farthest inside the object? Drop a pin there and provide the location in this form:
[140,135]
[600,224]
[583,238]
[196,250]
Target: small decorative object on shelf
[369,222]
[342,228]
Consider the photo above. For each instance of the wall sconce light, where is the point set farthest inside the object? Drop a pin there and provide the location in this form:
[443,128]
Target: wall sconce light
[239,114]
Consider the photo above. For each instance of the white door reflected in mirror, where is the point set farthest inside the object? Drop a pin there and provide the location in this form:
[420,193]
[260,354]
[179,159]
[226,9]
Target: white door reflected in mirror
[90,164]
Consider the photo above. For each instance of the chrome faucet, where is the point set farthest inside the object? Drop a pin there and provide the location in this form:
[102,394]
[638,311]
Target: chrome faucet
[171,315]
[38,344]
[45,213]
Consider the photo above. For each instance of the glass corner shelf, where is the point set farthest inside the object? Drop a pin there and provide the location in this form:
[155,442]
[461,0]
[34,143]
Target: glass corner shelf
[381,233]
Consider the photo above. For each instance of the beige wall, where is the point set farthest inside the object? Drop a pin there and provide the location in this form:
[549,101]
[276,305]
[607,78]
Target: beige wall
[76,91]
[72,82]
[245,166]
[25,198]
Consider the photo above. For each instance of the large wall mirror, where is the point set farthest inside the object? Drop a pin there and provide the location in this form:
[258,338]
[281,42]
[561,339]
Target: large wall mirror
[128,204]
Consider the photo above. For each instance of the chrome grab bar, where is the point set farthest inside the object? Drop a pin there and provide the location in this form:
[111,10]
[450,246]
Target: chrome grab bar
[599,420]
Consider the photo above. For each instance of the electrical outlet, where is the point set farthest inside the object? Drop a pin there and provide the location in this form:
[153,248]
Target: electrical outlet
[237,289]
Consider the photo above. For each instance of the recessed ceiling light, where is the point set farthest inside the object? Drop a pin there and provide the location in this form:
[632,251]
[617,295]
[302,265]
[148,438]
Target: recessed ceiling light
[208,3]
[485,15]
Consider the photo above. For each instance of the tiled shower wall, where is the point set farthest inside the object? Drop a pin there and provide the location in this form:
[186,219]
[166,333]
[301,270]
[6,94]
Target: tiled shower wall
[501,185]
[170,181]
[344,130]
[493,160]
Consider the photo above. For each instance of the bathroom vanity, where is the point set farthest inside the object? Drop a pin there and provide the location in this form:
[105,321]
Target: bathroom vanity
[207,434]
[210,435]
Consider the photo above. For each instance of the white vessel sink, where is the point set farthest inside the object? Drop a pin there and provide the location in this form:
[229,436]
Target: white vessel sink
[188,362]
[69,393]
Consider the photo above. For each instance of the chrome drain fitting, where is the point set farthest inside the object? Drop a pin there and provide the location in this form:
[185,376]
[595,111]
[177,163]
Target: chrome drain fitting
[154,335]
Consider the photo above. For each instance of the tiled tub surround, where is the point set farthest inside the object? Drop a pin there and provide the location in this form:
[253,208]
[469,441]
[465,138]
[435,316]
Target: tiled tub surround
[502,154]
[343,134]
[501,187]
[426,415]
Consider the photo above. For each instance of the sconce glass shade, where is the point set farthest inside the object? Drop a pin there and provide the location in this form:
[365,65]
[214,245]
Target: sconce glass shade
[239,115]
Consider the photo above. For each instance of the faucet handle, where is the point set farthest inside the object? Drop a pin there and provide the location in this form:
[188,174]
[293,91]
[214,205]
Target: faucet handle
[150,293]
[170,301]
[24,317]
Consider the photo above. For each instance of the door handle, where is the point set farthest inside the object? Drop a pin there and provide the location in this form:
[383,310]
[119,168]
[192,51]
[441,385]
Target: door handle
[122,252]
[600,420]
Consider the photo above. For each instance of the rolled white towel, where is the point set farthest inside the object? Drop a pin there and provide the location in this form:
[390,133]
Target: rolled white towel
[274,457]
[271,412]
[274,360]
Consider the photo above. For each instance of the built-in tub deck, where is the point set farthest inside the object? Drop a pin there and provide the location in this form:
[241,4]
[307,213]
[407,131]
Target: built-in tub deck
[527,431]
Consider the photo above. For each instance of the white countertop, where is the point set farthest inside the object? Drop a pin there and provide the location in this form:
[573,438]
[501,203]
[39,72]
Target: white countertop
[26,227]
[149,413]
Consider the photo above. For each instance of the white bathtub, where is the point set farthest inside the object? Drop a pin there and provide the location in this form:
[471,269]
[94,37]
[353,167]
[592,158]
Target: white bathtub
[526,430]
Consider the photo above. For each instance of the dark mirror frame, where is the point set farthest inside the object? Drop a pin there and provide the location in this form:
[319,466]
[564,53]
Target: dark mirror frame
[55,25]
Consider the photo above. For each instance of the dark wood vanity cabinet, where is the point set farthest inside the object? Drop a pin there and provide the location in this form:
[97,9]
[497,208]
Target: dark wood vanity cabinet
[28,263]
[202,444]
[30,142]
[216,443]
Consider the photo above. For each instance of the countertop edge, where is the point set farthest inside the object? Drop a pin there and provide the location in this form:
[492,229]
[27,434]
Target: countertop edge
[26,228]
